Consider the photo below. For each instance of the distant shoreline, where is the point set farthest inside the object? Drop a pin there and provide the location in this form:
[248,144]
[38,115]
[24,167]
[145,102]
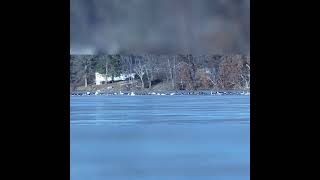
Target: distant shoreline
[149,93]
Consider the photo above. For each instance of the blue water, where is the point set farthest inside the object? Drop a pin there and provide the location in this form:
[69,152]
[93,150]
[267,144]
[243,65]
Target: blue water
[160,137]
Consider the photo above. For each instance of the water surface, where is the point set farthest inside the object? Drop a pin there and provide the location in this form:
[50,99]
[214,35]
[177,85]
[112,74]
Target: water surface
[160,137]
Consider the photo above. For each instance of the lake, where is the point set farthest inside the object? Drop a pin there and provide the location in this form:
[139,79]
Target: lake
[160,137]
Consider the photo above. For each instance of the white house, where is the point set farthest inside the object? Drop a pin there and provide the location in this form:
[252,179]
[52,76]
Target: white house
[101,78]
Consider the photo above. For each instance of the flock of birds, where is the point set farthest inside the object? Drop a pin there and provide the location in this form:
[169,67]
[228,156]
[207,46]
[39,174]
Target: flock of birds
[218,93]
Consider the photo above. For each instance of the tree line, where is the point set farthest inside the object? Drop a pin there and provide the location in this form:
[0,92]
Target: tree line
[179,72]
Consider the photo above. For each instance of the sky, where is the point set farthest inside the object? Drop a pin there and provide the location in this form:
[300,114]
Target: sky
[160,26]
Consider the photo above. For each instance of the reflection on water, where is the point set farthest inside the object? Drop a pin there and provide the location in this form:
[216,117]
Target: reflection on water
[160,137]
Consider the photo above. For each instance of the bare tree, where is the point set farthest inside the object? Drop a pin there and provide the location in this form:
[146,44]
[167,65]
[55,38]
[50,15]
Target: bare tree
[189,70]
[151,67]
[85,75]
[231,71]
[172,66]
[183,74]
[246,78]
[211,76]
[130,63]
[193,69]
[163,67]
[140,69]
[127,66]
[248,82]
[107,64]
[88,66]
